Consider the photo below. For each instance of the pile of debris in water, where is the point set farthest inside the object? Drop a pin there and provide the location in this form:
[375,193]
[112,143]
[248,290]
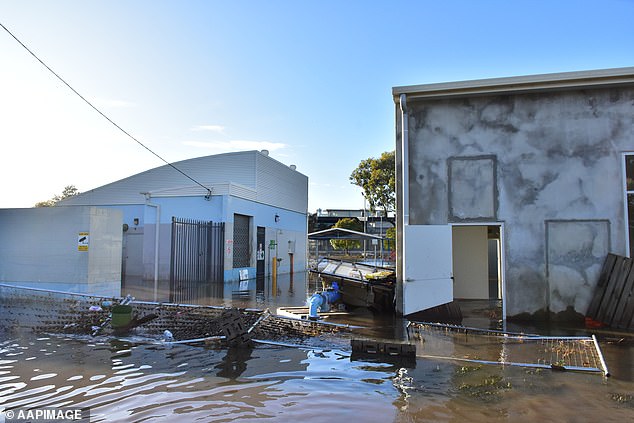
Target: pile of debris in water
[70,313]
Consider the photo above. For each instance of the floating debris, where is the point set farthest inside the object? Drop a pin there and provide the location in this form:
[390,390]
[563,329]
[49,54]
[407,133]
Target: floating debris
[69,313]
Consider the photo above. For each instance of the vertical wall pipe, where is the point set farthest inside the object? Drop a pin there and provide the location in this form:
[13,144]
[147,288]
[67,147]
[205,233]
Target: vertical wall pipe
[405,158]
[404,194]
[156,243]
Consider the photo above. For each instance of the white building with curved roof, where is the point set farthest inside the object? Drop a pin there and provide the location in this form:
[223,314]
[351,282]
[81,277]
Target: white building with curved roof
[207,220]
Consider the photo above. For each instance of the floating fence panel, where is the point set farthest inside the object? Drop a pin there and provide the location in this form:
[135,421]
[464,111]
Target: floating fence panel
[613,301]
[578,353]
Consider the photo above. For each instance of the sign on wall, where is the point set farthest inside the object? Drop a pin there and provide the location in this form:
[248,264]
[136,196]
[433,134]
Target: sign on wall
[82,241]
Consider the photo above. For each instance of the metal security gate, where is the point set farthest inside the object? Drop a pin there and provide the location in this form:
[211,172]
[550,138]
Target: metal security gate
[241,241]
[260,255]
[197,261]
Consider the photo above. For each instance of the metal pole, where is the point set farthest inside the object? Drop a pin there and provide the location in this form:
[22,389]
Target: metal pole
[601,359]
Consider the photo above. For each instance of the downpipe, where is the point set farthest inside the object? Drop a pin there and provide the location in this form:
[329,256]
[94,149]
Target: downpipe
[399,297]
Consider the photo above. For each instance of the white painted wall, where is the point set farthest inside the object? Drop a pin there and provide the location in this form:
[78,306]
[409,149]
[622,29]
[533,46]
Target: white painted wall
[39,248]
[248,182]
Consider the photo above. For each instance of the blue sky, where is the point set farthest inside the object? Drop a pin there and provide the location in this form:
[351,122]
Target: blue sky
[308,80]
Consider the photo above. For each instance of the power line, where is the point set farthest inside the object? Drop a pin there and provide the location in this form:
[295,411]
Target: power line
[102,114]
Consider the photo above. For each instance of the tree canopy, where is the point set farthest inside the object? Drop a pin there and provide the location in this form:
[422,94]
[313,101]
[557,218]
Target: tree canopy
[390,238]
[377,179]
[69,191]
[347,244]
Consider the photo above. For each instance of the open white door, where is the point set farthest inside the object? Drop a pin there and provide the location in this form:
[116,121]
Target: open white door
[428,267]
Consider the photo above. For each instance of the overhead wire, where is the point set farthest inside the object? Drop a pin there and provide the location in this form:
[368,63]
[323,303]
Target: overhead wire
[103,114]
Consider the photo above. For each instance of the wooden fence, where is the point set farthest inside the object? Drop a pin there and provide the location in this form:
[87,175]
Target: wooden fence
[613,301]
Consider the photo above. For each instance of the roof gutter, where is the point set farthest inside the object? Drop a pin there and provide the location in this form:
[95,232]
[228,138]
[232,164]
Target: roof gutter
[521,84]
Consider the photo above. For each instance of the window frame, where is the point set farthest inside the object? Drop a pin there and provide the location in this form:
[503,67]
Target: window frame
[626,194]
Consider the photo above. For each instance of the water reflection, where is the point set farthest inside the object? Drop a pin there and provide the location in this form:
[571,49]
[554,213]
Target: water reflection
[289,290]
[137,379]
[128,381]
[133,380]
[234,363]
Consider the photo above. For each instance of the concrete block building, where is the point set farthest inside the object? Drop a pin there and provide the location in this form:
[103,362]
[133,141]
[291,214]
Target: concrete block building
[514,189]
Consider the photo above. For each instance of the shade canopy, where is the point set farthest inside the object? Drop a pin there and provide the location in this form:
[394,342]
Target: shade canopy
[342,233]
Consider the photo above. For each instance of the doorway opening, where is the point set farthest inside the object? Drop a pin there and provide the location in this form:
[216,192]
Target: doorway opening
[477,254]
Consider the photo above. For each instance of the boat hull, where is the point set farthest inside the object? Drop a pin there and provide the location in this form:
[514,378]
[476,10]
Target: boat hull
[356,285]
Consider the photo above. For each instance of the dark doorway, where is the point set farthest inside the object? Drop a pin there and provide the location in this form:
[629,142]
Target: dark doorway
[260,259]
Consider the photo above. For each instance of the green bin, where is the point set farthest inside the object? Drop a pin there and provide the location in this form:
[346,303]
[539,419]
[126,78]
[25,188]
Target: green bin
[121,316]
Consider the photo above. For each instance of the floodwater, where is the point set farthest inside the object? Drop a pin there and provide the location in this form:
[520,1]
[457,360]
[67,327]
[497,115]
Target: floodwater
[137,379]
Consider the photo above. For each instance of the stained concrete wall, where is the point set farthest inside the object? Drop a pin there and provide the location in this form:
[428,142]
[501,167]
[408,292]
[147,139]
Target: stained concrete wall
[547,164]
[42,248]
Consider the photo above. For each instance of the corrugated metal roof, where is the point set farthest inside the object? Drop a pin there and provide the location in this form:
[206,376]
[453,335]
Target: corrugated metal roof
[277,184]
[248,174]
[226,188]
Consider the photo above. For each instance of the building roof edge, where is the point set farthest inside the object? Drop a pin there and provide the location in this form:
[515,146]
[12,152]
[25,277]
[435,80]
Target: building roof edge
[540,82]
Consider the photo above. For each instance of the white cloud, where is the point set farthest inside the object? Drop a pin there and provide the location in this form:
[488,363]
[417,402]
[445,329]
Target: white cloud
[236,145]
[213,128]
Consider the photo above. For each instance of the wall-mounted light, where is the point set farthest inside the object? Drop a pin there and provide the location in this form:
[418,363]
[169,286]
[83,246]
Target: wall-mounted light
[136,221]
[277,217]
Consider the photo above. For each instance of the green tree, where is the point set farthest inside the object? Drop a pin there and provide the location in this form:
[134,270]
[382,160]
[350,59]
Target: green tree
[390,235]
[347,244]
[69,191]
[377,179]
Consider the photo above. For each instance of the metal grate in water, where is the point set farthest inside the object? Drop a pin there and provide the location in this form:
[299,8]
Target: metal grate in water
[575,353]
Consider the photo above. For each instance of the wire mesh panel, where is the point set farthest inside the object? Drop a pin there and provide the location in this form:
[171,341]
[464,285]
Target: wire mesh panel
[572,353]
[579,353]
[196,258]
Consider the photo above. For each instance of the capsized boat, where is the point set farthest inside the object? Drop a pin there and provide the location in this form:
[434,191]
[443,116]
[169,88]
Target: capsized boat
[359,284]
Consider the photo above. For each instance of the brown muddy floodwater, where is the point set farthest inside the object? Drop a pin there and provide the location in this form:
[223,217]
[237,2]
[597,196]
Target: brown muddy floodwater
[138,379]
